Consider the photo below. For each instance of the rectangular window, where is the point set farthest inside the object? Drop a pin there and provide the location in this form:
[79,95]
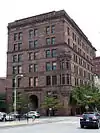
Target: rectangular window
[54,66]
[53,40]
[47,30]
[19,46]
[30,68]
[35,81]
[35,44]
[68,41]
[68,31]
[48,53]
[15,36]
[54,52]
[35,67]
[35,55]
[30,82]
[13,82]
[30,56]
[52,29]
[14,69]
[67,65]
[62,65]
[68,79]
[15,47]
[35,32]
[48,66]
[19,69]
[20,35]
[48,41]
[14,58]
[20,57]
[48,80]
[30,34]
[54,80]
[63,78]
[31,45]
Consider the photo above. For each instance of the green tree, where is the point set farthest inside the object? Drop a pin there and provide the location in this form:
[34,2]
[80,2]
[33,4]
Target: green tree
[85,95]
[51,102]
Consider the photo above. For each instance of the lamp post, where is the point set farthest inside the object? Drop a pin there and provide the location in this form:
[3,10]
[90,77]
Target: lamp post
[15,91]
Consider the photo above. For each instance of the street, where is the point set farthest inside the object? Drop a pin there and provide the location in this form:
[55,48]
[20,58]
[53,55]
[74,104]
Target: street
[67,124]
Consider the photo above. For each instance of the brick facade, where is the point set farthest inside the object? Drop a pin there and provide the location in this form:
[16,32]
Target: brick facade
[71,65]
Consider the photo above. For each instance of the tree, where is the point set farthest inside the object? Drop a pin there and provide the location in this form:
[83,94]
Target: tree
[51,102]
[85,95]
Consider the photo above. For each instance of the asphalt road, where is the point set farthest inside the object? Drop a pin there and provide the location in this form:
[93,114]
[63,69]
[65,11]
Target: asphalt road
[65,126]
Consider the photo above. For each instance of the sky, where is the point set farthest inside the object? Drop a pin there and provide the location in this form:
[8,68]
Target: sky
[86,13]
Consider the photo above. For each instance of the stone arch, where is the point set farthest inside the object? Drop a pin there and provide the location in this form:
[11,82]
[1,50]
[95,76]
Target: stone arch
[34,102]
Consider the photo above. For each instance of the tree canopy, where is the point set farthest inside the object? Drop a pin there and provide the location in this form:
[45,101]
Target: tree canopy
[85,95]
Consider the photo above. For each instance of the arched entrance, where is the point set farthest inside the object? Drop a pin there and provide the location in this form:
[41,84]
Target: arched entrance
[33,102]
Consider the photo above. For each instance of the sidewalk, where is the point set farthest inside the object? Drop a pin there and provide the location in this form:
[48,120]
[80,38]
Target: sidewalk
[37,121]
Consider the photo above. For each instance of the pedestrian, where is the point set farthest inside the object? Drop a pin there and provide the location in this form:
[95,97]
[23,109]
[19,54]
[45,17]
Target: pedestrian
[33,118]
[27,118]
[19,117]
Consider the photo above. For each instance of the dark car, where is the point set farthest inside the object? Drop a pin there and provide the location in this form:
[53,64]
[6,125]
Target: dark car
[90,119]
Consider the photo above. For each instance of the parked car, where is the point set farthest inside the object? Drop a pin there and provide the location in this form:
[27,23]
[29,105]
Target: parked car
[14,114]
[2,116]
[32,113]
[90,119]
[9,117]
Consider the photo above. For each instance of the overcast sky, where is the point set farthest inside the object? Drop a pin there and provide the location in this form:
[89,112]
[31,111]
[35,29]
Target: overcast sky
[86,13]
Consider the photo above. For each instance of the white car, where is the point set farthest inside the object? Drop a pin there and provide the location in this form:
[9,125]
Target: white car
[2,116]
[9,117]
[32,113]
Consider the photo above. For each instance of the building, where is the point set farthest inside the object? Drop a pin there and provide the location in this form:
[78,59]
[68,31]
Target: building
[96,62]
[52,53]
[2,94]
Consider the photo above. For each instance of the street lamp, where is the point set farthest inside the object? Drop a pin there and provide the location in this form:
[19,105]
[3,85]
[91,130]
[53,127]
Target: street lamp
[19,75]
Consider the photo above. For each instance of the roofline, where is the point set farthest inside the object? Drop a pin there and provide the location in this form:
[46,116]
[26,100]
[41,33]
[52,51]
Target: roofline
[49,16]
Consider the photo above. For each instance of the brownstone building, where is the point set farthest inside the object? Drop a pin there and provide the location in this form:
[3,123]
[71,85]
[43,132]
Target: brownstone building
[52,53]
[96,62]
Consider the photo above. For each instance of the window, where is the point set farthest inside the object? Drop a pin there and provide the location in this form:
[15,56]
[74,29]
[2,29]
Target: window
[20,57]
[35,67]
[68,80]
[63,78]
[14,58]
[54,52]
[13,82]
[19,82]
[67,65]
[35,32]
[35,55]
[68,31]
[35,44]
[48,41]
[48,53]
[48,80]
[54,80]
[54,65]
[53,40]
[31,46]
[47,30]
[19,46]
[30,56]
[48,66]
[68,41]
[52,29]
[30,34]
[19,69]
[30,68]
[20,36]
[62,65]
[30,82]
[15,36]
[15,47]
[14,69]
[35,81]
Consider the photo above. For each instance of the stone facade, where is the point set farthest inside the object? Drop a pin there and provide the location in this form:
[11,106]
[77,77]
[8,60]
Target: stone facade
[52,53]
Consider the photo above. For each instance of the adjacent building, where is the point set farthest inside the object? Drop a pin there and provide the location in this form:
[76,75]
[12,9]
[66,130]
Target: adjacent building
[52,53]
